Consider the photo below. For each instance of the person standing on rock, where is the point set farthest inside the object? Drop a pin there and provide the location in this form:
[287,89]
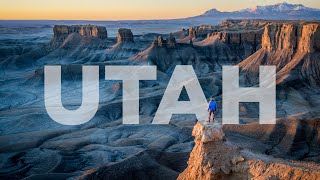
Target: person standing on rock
[212,107]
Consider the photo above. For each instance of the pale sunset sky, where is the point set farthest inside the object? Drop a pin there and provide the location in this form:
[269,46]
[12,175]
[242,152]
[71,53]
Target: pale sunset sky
[124,9]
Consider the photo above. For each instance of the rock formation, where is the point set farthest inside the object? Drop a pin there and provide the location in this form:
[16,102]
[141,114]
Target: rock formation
[125,46]
[215,158]
[124,35]
[170,42]
[62,31]
[243,42]
[232,31]
[293,47]
[238,38]
[201,31]
[167,53]
[77,39]
[243,36]
[292,36]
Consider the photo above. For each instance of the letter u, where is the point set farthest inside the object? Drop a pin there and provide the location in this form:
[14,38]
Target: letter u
[90,96]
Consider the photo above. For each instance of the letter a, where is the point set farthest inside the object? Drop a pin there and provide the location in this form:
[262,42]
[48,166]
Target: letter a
[183,76]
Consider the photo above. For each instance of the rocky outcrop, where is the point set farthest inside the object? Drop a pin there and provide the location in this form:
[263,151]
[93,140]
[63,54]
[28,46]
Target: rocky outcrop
[76,38]
[237,38]
[167,53]
[170,42]
[125,47]
[124,35]
[293,47]
[244,43]
[243,36]
[310,38]
[201,31]
[215,158]
[292,36]
[232,31]
[62,31]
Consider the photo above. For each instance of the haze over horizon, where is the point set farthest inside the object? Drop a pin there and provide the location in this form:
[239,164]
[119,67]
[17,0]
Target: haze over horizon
[125,9]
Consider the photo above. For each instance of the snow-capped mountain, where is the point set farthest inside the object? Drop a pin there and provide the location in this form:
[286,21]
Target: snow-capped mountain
[277,11]
[281,7]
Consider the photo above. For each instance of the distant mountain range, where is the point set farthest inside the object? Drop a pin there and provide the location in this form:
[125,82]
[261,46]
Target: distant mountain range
[279,11]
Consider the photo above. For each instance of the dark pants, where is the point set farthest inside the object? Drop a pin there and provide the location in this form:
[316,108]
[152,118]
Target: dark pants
[210,113]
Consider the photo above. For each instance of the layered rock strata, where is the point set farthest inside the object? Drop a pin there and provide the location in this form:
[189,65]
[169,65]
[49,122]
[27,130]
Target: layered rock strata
[292,36]
[294,48]
[242,36]
[237,38]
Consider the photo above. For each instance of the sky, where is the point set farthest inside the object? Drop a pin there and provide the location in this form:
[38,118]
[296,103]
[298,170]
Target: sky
[124,9]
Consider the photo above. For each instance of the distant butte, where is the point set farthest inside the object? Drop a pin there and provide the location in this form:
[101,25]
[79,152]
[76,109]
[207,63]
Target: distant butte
[83,30]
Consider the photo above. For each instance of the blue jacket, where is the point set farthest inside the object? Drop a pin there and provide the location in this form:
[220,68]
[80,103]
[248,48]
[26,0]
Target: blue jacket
[212,106]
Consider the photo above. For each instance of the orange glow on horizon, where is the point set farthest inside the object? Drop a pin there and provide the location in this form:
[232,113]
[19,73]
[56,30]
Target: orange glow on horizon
[122,9]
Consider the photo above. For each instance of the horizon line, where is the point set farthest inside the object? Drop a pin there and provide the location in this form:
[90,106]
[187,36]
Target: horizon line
[151,19]
[154,19]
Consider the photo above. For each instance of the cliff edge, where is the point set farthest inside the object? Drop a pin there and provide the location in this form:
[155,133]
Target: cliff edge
[293,47]
[213,157]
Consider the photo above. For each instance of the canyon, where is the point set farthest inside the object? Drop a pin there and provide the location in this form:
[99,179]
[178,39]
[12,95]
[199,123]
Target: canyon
[33,146]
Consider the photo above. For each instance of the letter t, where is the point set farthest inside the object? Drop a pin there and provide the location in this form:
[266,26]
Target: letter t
[130,75]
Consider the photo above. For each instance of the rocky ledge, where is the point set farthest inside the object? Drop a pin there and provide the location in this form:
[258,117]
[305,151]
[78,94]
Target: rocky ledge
[63,31]
[213,157]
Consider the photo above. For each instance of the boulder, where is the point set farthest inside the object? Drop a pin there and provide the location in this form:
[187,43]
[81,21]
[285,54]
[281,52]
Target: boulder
[208,133]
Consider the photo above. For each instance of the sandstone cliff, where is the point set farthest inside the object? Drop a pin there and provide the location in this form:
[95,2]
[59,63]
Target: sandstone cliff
[213,157]
[242,36]
[232,31]
[230,37]
[293,47]
[292,36]
[237,38]
[62,31]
